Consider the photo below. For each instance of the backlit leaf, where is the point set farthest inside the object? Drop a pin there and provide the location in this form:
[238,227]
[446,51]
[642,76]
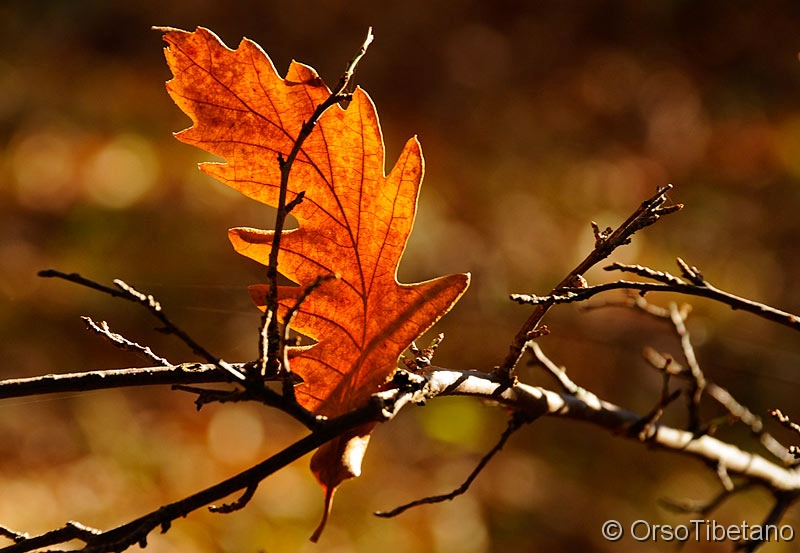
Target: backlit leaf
[354,221]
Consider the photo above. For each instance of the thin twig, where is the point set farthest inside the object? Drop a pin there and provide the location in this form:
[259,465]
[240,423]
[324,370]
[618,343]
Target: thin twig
[127,292]
[749,419]
[287,379]
[557,372]
[698,379]
[642,428]
[572,295]
[605,243]
[240,503]
[272,345]
[179,376]
[123,343]
[794,450]
[514,423]
[703,508]
[10,534]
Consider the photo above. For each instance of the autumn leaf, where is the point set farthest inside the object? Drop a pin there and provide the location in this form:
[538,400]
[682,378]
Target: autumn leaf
[354,221]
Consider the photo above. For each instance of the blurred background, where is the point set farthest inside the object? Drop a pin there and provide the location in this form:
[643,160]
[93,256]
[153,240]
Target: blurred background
[535,118]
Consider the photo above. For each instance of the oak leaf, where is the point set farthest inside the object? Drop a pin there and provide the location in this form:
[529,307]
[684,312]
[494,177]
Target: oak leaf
[354,221]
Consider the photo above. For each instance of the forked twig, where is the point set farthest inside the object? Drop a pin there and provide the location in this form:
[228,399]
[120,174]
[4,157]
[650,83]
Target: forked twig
[272,343]
[606,242]
[677,316]
[128,292]
[698,379]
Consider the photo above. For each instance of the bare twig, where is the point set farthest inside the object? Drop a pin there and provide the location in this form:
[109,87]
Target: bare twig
[642,428]
[750,419]
[272,345]
[127,292]
[605,243]
[123,343]
[187,373]
[69,532]
[665,282]
[287,379]
[557,372]
[240,503]
[259,393]
[703,508]
[179,376]
[422,357]
[794,450]
[514,423]
[698,379]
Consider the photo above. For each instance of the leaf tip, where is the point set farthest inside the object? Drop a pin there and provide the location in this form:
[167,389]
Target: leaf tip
[329,491]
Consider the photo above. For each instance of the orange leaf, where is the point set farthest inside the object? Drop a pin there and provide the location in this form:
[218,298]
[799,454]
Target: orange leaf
[354,221]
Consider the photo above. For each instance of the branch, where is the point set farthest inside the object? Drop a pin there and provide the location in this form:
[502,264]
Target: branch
[665,282]
[606,242]
[531,402]
[382,407]
[187,373]
[535,402]
[178,376]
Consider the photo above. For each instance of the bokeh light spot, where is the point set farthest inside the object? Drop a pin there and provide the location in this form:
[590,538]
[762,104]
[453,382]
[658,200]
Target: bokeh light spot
[121,172]
[456,421]
[235,434]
